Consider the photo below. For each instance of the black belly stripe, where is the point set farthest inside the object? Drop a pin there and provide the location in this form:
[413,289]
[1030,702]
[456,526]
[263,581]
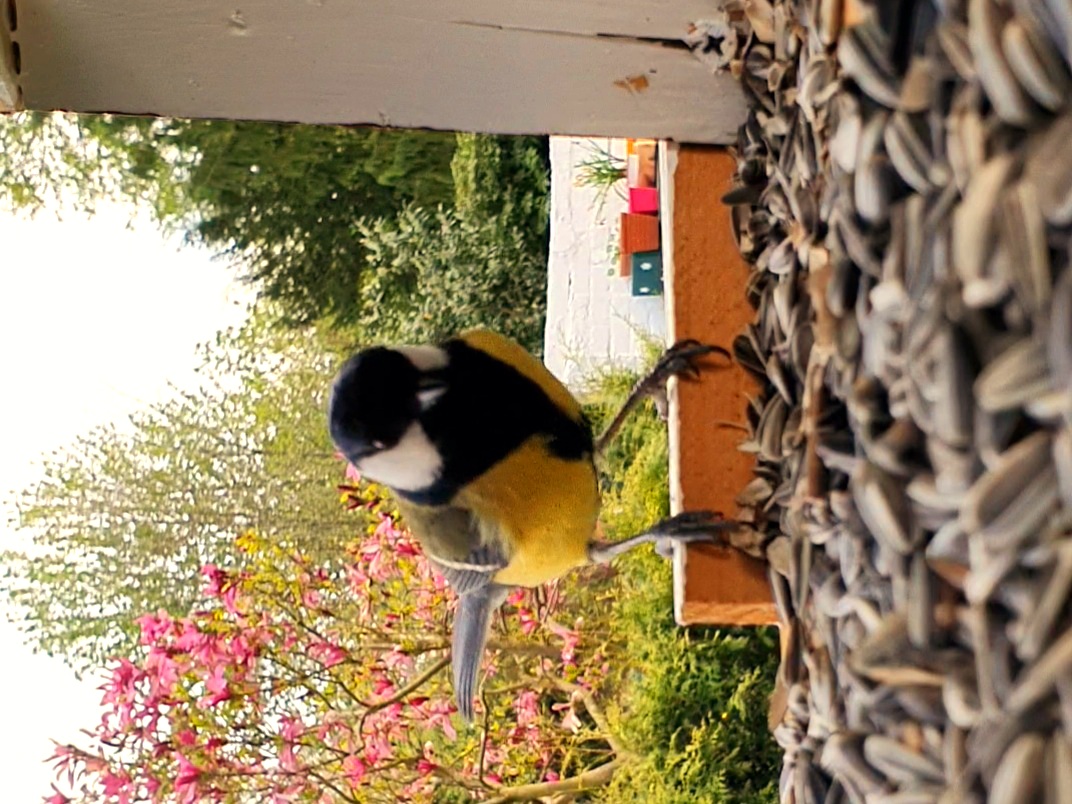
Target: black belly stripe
[489,410]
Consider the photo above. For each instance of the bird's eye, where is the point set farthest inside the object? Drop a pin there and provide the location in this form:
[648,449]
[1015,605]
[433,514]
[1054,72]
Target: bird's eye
[378,445]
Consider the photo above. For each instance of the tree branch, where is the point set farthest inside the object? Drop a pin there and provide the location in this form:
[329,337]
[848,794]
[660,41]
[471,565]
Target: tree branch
[589,780]
[596,712]
[410,688]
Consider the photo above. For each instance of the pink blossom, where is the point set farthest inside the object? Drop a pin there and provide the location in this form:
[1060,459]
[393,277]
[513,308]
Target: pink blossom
[387,529]
[570,640]
[114,784]
[382,686]
[288,760]
[154,626]
[358,579]
[377,749]
[216,683]
[354,769]
[293,728]
[222,586]
[163,672]
[516,597]
[397,661]
[328,654]
[529,623]
[380,561]
[188,778]
[440,715]
[407,548]
[186,738]
[526,708]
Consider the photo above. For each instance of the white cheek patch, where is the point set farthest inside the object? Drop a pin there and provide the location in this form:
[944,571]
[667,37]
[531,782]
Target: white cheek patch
[425,358]
[411,465]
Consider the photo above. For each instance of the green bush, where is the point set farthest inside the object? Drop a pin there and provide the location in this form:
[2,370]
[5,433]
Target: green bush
[695,702]
[692,703]
[507,178]
[432,274]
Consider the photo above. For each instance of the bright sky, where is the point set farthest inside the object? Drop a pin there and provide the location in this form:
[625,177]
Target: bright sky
[95,320]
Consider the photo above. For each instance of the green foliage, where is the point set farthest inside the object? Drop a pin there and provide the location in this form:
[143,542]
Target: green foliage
[603,171]
[507,178]
[432,274]
[696,702]
[692,702]
[324,219]
[123,519]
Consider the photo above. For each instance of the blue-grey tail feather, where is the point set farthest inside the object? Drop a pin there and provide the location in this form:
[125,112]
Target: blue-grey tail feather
[471,623]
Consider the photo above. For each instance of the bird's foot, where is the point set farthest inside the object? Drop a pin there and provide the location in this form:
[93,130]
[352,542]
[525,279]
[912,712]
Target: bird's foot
[680,360]
[691,526]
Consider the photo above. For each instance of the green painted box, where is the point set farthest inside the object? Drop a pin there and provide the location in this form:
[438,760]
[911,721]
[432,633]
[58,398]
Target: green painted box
[647,273]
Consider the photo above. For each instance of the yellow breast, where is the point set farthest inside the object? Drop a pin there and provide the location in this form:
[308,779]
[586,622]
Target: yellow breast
[543,507]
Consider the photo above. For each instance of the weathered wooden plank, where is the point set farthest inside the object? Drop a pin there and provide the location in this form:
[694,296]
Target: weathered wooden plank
[557,66]
[644,19]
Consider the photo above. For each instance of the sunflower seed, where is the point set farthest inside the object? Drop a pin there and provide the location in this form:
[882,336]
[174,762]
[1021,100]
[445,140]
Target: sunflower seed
[1014,377]
[1035,64]
[985,21]
[1020,772]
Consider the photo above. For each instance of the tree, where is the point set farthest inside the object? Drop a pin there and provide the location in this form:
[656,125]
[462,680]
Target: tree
[303,681]
[507,179]
[281,197]
[432,273]
[123,519]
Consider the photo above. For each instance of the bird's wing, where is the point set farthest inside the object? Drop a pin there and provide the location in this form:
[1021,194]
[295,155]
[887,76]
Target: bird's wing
[455,545]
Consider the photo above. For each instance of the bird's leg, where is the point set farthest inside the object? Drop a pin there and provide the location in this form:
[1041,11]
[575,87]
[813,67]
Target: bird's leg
[681,359]
[691,526]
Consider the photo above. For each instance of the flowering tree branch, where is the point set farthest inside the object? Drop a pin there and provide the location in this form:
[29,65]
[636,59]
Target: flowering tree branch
[589,780]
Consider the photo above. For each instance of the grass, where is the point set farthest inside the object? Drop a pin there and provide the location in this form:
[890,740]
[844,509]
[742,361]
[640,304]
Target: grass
[691,703]
[603,171]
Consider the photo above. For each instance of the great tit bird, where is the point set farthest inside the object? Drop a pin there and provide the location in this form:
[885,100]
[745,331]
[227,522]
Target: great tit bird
[492,464]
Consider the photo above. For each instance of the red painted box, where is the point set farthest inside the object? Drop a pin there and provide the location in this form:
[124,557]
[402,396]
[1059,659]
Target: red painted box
[644,200]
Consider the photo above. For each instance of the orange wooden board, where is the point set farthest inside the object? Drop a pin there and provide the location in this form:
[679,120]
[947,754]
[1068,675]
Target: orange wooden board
[706,301]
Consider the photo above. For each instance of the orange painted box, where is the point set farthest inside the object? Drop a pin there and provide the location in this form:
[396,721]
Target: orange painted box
[639,233]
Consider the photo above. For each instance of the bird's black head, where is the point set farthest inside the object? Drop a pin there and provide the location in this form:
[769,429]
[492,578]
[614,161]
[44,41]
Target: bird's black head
[375,408]
[373,402]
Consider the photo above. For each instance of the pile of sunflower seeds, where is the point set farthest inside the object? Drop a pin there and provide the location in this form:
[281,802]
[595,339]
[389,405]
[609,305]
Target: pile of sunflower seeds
[905,198]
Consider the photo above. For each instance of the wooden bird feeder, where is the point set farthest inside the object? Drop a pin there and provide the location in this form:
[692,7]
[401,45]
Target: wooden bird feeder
[705,279]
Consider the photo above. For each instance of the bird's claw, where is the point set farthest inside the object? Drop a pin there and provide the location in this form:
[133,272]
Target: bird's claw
[681,360]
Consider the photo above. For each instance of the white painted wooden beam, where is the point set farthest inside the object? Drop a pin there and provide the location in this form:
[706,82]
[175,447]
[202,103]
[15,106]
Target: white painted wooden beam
[10,95]
[590,67]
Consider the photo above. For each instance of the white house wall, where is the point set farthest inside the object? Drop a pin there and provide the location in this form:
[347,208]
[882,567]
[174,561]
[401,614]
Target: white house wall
[592,318]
